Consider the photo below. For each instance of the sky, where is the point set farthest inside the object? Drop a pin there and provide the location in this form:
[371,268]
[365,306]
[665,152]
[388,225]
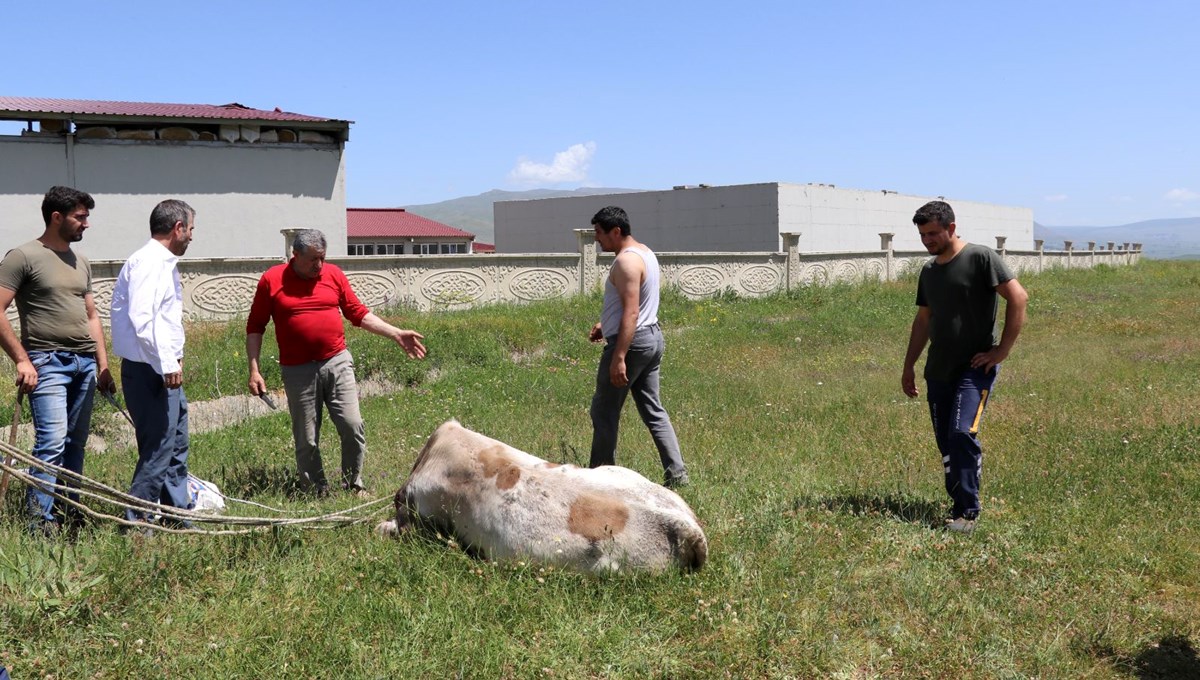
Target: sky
[1086,112]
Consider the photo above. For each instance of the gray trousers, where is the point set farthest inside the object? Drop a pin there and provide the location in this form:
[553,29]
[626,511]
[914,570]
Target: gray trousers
[329,383]
[642,366]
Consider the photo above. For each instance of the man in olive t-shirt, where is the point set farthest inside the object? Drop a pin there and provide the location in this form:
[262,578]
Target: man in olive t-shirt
[956,315]
[60,357]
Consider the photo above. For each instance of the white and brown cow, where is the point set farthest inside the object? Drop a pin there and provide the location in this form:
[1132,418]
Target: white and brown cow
[501,503]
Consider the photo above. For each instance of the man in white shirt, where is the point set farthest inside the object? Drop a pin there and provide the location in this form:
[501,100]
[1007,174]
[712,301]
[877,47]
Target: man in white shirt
[147,333]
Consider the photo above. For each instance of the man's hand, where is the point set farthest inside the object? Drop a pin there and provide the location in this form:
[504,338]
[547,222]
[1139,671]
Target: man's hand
[105,383]
[27,376]
[616,372]
[257,384]
[988,360]
[411,342]
[173,380]
[594,335]
[908,382]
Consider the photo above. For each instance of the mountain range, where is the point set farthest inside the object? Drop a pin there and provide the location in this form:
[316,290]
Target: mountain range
[1161,239]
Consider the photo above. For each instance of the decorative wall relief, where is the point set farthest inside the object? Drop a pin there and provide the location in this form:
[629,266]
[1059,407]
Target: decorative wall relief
[102,292]
[760,279]
[814,274]
[225,295]
[700,280]
[846,271]
[539,284]
[373,289]
[453,287]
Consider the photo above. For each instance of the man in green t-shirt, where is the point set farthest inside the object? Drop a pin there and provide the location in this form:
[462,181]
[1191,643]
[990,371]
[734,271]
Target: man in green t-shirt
[60,357]
[956,315]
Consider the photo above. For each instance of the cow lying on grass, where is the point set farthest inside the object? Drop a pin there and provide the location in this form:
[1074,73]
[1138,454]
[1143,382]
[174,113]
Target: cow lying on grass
[500,503]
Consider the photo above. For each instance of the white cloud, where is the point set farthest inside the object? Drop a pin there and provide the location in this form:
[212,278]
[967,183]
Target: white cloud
[1181,195]
[568,166]
[1056,198]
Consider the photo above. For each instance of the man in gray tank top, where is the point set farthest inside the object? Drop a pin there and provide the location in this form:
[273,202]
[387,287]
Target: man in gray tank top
[60,356]
[633,348]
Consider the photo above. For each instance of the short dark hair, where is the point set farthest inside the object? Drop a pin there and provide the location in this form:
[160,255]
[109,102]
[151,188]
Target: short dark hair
[934,211]
[611,218]
[167,213]
[63,200]
[308,238]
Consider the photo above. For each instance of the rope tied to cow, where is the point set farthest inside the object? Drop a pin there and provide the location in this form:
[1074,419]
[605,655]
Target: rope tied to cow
[15,464]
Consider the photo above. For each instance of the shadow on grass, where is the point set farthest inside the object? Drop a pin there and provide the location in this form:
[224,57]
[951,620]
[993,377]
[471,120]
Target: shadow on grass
[250,481]
[1171,657]
[900,507]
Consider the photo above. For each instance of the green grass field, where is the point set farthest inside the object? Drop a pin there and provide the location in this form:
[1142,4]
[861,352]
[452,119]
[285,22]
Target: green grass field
[816,480]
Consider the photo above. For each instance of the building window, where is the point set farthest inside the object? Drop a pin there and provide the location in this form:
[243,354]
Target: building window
[452,248]
[425,248]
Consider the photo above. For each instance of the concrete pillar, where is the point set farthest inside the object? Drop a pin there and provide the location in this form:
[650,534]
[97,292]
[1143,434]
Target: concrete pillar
[885,244]
[1039,244]
[288,235]
[1068,246]
[791,246]
[588,268]
[1092,254]
[1137,253]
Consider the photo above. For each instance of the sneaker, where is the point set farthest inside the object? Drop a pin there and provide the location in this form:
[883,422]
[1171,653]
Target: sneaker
[960,525]
[677,481]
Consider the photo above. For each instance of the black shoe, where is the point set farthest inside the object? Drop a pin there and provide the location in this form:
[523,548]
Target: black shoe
[44,528]
[677,481]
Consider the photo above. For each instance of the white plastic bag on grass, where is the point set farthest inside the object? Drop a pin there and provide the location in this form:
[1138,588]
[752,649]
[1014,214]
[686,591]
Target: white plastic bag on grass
[206,497]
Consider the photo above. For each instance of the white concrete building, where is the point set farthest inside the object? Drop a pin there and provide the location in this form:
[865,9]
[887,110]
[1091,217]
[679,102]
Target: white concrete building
[248,173]
[751,217]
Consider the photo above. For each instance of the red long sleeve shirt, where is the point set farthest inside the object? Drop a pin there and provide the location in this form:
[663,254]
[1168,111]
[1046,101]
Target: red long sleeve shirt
[307,312]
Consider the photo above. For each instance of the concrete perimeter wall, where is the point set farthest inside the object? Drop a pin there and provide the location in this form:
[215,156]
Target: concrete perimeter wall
[243,195]
[224,288]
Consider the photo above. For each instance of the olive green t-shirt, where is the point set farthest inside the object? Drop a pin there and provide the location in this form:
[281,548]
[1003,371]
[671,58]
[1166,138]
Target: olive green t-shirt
[50,287]
[962,300]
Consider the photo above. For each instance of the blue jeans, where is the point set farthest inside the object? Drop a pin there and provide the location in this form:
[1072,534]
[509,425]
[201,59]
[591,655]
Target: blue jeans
[956,409]
[642,364]
[160,419]
[61,405]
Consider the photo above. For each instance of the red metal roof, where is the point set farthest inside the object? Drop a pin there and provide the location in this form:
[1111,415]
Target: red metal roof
[483,247]
[233,111]
[396,222]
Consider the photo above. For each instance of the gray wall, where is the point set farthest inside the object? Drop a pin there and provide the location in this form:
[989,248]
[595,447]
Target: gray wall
[243,194]
[750,218]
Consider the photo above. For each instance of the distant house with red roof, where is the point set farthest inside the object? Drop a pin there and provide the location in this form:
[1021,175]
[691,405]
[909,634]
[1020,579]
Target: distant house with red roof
[395,231]
[249,173]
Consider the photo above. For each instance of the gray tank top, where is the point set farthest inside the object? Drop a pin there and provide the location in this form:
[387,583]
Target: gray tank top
[610,315]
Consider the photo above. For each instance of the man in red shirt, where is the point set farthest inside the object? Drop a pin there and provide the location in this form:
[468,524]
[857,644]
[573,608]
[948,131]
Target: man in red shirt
[307,298]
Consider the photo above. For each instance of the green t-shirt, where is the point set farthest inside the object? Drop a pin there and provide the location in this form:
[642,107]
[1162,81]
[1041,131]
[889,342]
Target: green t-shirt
[50,287]
[961,296]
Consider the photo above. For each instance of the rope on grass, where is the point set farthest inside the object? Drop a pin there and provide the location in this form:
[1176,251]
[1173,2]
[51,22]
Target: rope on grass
[86,487]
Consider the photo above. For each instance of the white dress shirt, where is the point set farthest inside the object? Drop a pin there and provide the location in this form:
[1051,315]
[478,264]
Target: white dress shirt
[147,309]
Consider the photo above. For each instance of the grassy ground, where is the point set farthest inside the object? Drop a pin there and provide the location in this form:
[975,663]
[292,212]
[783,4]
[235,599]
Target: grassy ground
[815,478]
